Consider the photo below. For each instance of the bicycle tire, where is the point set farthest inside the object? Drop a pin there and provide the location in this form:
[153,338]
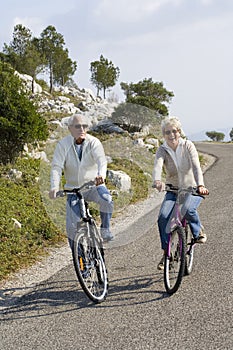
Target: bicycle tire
[174,263]
[88,258]
[190,251]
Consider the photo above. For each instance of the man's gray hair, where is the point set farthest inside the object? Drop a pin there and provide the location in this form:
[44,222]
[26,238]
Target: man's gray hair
[74,116]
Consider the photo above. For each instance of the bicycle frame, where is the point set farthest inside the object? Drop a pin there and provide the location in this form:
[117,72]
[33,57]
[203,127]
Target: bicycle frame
[176,218]
[176,222]
[178,259]
[85,214]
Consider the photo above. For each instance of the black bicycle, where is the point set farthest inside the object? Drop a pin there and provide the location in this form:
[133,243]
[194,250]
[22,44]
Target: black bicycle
[88,250]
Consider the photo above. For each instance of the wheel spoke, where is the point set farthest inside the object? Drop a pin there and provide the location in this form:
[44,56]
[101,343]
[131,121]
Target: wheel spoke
[190,251]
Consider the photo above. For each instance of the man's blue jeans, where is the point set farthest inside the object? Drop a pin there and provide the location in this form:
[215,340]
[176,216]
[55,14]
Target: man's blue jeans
[99,195]
[189,213]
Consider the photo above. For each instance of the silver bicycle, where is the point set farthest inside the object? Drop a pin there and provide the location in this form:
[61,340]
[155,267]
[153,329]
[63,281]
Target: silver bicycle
[88,250]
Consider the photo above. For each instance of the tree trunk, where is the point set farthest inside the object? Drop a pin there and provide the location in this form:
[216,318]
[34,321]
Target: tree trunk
[33,85]
[51,78]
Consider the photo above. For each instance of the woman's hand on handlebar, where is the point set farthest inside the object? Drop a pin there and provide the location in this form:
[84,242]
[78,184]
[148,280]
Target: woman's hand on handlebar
[202,190]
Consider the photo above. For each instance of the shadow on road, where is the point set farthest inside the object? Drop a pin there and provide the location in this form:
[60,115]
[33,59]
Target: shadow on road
[56,297]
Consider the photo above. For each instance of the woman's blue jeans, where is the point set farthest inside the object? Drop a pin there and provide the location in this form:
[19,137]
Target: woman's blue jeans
[189,213]
[99,195]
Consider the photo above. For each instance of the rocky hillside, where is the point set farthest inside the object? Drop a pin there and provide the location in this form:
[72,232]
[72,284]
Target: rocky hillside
[66,101]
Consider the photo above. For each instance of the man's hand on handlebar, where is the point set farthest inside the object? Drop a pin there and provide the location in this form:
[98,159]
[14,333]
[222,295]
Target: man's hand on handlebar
[99,180]
[159,185]
[52,194]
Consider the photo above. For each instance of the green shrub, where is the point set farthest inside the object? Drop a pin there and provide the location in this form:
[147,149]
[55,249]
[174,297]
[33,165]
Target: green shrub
[20,123]
[21,200]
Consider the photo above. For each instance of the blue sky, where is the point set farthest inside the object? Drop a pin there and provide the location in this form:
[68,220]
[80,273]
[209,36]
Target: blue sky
[186,44]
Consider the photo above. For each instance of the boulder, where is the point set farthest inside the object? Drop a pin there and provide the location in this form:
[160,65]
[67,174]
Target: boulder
[120,179]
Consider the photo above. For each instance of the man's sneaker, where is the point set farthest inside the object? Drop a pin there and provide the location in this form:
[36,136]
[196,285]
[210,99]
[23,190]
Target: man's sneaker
[106,235]
[161,264]
[85,273]
[202,238]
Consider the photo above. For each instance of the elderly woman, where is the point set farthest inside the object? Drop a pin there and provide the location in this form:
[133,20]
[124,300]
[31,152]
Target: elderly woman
[180,160]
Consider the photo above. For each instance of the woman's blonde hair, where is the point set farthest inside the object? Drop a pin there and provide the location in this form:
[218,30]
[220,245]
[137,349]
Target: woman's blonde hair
[172,121]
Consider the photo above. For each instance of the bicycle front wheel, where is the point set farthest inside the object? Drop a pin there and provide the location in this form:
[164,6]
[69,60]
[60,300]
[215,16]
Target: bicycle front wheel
[90,266]
[175,260]
[190,250]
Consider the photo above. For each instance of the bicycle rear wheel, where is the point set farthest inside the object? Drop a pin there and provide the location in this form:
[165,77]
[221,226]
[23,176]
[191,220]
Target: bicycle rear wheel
[190,251]
[175,260]
[89,265]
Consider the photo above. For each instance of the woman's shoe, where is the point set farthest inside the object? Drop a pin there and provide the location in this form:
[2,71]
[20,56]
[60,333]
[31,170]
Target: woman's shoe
[202,238]
[161,263]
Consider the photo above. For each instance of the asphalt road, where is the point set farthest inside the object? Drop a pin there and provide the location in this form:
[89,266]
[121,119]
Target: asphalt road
[137,313]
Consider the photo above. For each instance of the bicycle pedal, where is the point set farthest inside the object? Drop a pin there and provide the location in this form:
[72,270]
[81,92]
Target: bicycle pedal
[85,273]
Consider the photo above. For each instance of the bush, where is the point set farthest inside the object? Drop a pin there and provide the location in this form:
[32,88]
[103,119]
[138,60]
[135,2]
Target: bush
[21,200]
[20,123]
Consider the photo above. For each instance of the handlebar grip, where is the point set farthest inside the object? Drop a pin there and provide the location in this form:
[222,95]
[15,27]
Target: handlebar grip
[170,187]
[60,194]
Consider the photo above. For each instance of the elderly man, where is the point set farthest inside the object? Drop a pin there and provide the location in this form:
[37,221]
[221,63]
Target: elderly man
[81,156]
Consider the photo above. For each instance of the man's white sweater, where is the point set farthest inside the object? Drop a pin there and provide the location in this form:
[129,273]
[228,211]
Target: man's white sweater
[76,172]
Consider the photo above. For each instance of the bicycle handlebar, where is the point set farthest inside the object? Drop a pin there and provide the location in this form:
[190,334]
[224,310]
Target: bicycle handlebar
[192,190]
[76,190]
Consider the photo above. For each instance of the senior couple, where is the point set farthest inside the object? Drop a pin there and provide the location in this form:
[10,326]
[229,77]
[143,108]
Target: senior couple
[82,158]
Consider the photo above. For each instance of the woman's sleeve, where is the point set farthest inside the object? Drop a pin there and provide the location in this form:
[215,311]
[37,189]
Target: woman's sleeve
[194,157]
